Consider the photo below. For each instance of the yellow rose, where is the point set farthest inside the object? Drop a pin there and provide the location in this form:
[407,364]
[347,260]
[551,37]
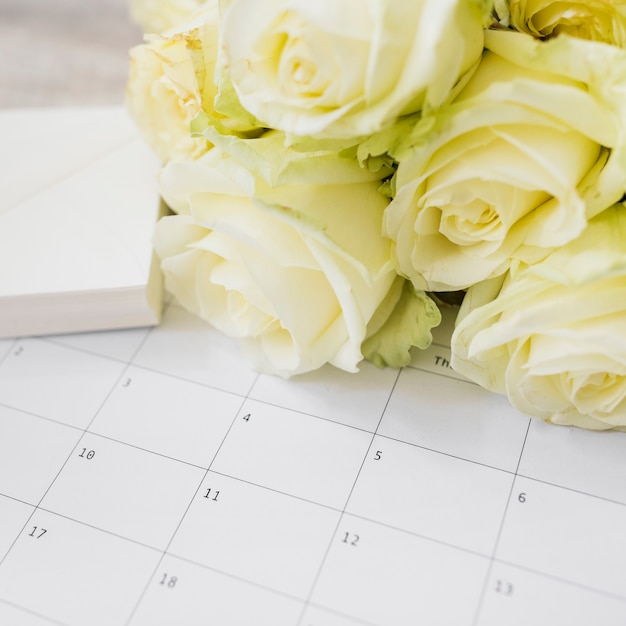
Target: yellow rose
[282,268]
[344,69]
[170,82]
[553,336]
[531,148]
[158,16]
[598,20]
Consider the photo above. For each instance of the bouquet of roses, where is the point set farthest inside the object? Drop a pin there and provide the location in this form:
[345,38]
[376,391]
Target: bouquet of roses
[337,168]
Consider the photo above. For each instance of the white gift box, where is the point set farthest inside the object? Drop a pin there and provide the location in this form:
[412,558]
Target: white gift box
[78,203]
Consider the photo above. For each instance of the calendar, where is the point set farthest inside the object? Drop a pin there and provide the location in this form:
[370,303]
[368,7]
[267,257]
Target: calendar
[148,477]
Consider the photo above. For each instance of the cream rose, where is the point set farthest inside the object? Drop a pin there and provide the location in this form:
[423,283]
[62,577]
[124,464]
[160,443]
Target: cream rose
[282,268]
[531,148]
[348,68]
[170,82]
[158,16]
[553,336]
[598,20]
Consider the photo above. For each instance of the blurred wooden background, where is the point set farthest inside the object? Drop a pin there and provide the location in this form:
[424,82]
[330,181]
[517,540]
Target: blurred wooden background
[55,52]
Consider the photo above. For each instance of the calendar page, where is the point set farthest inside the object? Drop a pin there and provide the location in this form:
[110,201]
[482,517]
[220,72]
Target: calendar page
[148,477]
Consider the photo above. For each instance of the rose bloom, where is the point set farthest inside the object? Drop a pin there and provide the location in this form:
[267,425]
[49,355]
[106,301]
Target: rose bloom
[158,16]
[532,147]
[343,69]
[170,83]
[553,335]
[284,268]
[598,20]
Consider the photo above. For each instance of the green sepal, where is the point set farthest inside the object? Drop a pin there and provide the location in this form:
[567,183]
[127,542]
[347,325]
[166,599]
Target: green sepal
[403,319]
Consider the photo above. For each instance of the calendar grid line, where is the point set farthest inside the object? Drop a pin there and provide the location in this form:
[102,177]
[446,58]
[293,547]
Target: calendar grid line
[191,381]
[111,533]
[567,581]
[417,535]
[147,450]
[277,491]
[165,551]
[573,490]
[343,512]
[241,579]
[48,619]
[139,366]
[41,417]
[352,618]
[447,454]
[313,415]
[6,495]
[53,339]
[494,551]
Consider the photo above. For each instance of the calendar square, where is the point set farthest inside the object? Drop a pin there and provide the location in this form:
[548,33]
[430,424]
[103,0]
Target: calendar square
[13,515]
[256,534]
[558,455]
[57,382]
[187,347]
[390,578]
[124,490]
[567,535]
[70,572]
[455,417]
[431,494]
[517,597]
[32,452]
[186,594]
[353,399]
[117,344]
[173,417]
[305,456]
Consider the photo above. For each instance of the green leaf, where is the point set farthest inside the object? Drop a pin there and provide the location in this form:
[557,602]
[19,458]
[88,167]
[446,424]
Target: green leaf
[404,319]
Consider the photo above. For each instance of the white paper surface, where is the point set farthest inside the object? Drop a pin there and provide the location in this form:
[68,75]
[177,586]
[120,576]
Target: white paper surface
[148,477]
[78,204]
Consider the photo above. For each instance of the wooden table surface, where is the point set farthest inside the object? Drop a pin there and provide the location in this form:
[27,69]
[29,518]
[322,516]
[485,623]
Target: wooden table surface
[56,52]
